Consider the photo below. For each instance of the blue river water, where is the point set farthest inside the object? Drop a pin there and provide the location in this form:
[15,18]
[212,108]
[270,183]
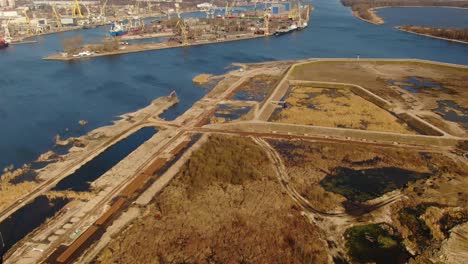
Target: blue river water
[40,99]
[425,16]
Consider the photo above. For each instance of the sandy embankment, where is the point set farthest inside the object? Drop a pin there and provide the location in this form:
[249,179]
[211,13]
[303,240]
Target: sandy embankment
[202,78]
[375,19]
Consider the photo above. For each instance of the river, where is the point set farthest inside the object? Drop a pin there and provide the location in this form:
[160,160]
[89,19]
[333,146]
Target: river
[40,99]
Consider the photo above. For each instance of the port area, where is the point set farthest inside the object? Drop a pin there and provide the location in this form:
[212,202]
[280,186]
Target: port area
[146,36]
[141,47]
[125,193]
[179,32]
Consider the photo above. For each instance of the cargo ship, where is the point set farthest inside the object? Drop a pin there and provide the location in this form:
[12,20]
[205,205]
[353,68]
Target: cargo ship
[134,26]
[117,30]
[287,30]
[3,43]
[302,26]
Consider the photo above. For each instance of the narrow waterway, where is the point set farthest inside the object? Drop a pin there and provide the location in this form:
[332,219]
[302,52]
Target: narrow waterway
[34,214]
[40,99]
[80,180]
[26,219]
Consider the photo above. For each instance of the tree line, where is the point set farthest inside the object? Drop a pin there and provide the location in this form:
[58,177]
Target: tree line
[448,33]
[361,7]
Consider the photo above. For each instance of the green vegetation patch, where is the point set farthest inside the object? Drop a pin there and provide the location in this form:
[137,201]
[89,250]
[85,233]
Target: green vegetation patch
[420,232]
[366,184]
[224,160]
[375,243]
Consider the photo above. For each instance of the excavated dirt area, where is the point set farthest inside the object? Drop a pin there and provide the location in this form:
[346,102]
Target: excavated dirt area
[422,87]
[225,206]
[336,108]
[427,191]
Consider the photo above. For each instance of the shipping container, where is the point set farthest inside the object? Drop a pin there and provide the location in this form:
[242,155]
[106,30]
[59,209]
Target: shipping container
[156,165]
[66,256]
[180,147]
[115,207]
[136,184]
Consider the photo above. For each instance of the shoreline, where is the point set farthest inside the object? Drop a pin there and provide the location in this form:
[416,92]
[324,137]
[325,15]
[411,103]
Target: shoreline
[147,36]
[431,36]
[148,47]
[163,146]
[378,22]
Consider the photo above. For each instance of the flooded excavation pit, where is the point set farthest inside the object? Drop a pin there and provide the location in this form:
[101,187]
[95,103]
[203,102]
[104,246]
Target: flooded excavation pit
[227,112]
[451,111]
[416,84]
[336,107]
[367,184]
[256,89]
[348,177]
[28,218]
[80,180]
[375,243]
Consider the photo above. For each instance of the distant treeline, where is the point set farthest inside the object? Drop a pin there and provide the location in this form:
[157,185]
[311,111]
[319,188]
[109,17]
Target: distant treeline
[361,7]
[448,33]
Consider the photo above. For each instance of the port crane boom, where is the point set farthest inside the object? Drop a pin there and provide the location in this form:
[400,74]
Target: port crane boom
[76,10]
[28,21]
[57,16]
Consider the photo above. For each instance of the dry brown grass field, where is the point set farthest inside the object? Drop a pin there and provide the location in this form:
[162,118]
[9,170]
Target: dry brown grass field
[337,108]
[225,206]
[11,192]
[383,77]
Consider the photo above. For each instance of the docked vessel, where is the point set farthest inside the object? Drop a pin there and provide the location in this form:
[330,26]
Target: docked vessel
[302,26]
[133,26]
[287,30]
[3,43]
[117,30]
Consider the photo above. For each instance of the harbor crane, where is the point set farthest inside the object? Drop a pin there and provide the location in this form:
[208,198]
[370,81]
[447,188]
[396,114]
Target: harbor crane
[266,22]
[28,21]
[88,11]
[183,31]
[57,17]
[226,11]
[6,29]
[136,7]
[295,14]
[177,10]
[148,6]
[76,10]
[103,9]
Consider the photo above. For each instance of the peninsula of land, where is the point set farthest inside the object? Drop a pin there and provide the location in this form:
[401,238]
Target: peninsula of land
[449,34]
[284,161]
[366,9]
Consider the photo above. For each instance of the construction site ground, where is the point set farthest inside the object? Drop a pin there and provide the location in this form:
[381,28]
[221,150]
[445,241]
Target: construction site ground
[236,191]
